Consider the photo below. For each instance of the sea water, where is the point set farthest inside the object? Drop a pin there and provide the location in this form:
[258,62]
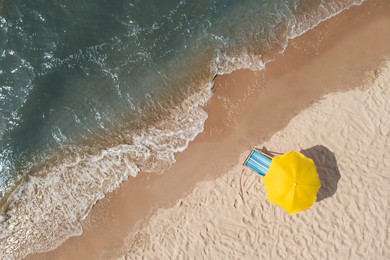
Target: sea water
[95,91]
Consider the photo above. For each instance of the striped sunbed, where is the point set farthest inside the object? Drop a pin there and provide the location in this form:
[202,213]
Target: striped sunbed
[258,162]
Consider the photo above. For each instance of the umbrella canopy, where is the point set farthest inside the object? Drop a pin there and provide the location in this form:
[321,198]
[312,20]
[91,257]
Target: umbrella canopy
[292,182]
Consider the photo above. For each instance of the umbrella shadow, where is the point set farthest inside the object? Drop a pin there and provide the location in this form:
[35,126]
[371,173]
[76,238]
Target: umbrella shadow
[327,168]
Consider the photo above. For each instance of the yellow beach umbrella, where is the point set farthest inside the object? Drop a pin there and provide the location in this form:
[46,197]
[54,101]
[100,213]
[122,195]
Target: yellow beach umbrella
[292,182]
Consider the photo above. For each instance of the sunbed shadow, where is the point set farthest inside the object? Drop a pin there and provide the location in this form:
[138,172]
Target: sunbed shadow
[327,168]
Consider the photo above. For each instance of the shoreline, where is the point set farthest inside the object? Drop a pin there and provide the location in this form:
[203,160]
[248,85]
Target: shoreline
[252,95]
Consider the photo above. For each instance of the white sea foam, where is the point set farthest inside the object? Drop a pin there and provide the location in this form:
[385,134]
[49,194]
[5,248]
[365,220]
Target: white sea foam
[226,63]
[50,206]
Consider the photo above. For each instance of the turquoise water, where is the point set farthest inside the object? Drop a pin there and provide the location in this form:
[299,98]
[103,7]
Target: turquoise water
[92,92]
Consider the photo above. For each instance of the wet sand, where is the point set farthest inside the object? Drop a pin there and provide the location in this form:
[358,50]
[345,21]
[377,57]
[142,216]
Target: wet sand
[246,110]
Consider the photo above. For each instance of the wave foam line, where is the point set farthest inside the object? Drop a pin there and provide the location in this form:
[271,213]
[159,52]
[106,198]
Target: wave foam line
[51,205]
[295,25]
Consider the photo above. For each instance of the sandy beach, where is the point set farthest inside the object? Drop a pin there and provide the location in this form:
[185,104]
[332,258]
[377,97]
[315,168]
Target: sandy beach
[230,218]
[208,206]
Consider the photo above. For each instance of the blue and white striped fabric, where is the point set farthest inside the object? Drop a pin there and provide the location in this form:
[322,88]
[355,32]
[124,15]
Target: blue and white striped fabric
[258,162]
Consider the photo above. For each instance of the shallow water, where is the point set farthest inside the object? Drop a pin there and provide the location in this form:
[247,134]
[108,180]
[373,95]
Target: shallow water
[94,92]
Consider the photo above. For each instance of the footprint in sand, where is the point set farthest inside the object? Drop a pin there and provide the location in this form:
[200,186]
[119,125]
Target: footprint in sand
[254,212]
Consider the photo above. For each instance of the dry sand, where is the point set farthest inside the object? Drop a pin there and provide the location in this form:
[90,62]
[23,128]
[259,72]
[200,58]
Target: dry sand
[348,136]
[229,214]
